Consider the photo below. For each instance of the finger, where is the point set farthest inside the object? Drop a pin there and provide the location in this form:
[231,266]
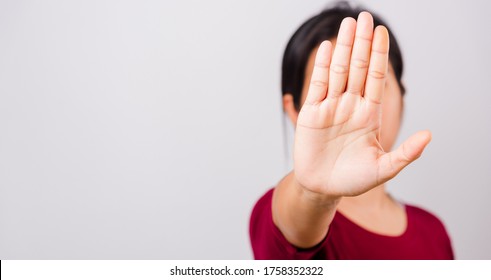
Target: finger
[338,72]
[377,70]
[320,75]
[360,55]
[390,164]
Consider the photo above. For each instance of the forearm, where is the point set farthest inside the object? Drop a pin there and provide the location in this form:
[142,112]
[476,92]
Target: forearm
[302,216]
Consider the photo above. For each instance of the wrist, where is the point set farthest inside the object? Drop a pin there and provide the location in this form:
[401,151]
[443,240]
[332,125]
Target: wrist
[317,198]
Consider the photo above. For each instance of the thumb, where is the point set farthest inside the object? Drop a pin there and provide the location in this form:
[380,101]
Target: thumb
[390,164]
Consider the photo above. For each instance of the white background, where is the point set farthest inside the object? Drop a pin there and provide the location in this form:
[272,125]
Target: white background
[148,129]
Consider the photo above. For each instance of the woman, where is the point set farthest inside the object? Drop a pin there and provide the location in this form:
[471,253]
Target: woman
[342,90]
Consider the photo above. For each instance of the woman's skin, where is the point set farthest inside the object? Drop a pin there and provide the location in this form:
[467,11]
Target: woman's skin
[341,137]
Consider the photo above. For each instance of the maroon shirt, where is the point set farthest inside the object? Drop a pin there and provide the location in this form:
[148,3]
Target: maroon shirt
[425,238]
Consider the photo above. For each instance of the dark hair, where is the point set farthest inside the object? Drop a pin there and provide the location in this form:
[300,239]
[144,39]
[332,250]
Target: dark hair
[309,35]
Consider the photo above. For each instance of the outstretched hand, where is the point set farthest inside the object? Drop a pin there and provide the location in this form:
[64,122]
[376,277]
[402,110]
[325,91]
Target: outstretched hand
[337,150]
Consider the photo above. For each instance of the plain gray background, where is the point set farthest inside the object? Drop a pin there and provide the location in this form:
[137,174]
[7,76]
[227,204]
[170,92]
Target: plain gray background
[148,129]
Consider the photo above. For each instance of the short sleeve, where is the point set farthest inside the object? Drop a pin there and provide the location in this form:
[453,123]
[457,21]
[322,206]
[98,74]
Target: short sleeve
[267,240]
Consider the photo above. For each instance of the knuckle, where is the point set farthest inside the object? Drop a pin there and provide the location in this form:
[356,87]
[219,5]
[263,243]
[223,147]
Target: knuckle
[364,38]
[376,74]
[339,69]
[334,92]
[318,83]
[322,65]
[403,153]
[382,52]
[355,91]
[374,101]
[344,44]
[359,63]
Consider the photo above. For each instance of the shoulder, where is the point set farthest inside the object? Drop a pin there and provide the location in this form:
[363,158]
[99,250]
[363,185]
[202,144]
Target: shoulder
[422,215]
[425,220]
[261,220]
[426,223]
[263,203]
[429,227]
[266,239]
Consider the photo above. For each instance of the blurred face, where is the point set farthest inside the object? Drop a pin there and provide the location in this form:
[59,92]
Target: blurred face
[391,106]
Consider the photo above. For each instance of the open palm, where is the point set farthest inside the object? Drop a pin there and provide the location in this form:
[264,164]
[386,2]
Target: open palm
[337,149]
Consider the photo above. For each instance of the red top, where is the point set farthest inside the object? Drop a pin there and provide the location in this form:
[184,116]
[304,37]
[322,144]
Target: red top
[425,238]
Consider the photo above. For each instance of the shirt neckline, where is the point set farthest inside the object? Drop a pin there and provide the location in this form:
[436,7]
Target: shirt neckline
[360,228]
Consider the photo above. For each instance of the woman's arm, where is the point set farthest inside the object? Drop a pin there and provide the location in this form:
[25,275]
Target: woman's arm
[337,150]
[302,216]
